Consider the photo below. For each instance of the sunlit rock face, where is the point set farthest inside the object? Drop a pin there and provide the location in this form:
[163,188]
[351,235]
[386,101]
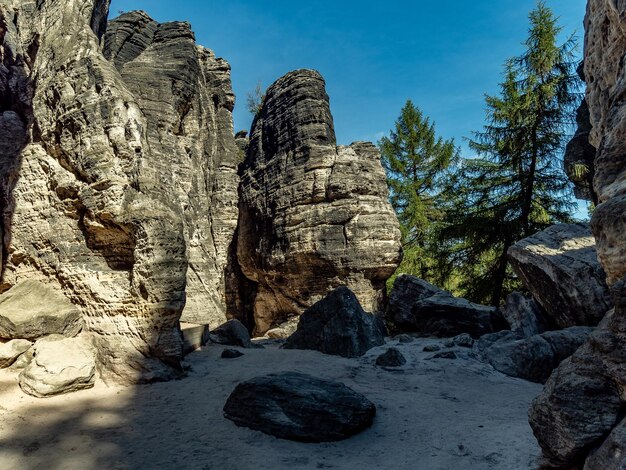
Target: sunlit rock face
[117,180]
[313,215]
[584,399]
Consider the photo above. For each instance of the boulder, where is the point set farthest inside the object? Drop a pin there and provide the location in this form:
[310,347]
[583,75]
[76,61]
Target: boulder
[232,333]
[32,309]
[337,325]
[560,267]
[578,407]
[415,305]
[11,351]
[523,314]
[59,366]
[391,358]
[299,407]
[313,215]
[533,358]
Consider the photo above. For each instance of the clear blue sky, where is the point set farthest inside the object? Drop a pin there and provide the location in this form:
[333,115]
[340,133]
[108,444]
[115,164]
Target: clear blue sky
[374,55]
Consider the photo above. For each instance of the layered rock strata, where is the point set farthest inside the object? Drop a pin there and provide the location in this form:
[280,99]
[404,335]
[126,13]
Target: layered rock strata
[584,401]
[312,215]
[117,180]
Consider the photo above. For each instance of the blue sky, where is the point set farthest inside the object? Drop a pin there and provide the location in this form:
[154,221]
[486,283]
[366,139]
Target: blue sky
[374,55]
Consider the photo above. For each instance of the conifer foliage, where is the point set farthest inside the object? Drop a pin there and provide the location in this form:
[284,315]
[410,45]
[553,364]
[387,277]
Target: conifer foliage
[516,186]
[415,159]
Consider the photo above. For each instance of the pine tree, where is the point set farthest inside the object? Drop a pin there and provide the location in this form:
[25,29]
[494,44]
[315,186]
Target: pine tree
[517,186]
[414,159]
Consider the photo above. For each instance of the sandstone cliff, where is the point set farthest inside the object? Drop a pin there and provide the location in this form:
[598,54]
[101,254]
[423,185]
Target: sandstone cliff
[117,176]
[584,399]
[312,215]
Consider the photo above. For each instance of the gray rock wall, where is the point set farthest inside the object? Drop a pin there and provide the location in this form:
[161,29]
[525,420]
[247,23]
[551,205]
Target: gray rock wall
[583,400]
[117,178]
[313,216]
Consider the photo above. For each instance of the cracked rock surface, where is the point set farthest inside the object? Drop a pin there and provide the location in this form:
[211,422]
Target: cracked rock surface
[312,215]
[117,177]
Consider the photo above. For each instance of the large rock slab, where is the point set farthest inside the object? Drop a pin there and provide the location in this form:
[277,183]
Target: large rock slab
[560,267]
[533,358]
[337,325]
[299,407]
[32,309]
[59,366]
[118,184]
[312,216]
[415,305]
[11,351]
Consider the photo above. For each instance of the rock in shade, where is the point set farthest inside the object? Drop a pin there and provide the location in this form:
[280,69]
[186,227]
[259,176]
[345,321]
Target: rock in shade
[32,309]
[579,405]
[560,267]
[611,455]
[299,407]
[61,366]
[231,354]
[584,396]
[415,305]
[232,333]
[11,351]
[312,215]
[523,314]
[391,358]
[532,358]
[432,348]
[337,325]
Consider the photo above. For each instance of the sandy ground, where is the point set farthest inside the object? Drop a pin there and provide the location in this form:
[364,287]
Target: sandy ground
[436,414]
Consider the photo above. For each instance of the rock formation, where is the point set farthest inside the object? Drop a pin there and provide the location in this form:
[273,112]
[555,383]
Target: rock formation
[580,154]
[560,267]
[312,216]
[415,305]
[583,400]
[117,176]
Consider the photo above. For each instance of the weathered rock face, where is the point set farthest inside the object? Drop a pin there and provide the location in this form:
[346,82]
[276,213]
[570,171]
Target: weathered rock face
[185,94]
[415,305]
[560,267]
[585,394]
[299,407]
[117,180]
[313,216]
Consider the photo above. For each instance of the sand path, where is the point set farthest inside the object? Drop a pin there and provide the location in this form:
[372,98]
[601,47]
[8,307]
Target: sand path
[432,414]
